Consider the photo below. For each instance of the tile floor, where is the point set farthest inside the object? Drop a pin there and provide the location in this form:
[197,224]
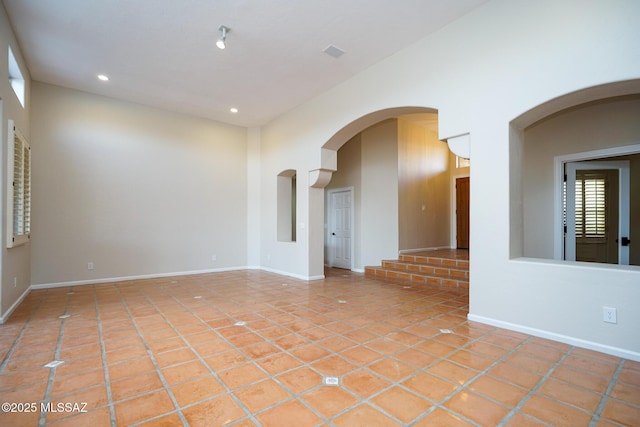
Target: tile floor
[252,348]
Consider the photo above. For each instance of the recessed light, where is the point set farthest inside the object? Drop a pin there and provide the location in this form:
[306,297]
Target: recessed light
[233,110]
[103,77]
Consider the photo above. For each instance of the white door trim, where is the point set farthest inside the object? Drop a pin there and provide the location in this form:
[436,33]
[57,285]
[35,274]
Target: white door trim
[559,165]
[330,224]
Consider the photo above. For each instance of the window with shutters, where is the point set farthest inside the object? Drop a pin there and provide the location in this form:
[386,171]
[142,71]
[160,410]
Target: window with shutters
[591,212]
[19,194]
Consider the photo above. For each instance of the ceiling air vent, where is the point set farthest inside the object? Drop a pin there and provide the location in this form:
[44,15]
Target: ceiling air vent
[331,50]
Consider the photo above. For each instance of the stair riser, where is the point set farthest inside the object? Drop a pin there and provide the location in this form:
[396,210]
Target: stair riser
[434,261]
[457,273]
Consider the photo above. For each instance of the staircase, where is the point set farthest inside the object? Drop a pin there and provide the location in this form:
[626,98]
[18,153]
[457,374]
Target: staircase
[444,268]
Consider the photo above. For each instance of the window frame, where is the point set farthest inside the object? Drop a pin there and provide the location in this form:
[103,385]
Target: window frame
[18,188]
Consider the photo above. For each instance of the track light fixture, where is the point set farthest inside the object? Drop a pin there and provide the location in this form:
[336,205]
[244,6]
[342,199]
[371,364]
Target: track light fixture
[222,41]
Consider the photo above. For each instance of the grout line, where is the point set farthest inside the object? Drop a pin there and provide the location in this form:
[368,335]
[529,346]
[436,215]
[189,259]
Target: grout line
[516,409]
[103,355]
[228,390]
[4,362]
[152,357]
[605,397]
[52,372]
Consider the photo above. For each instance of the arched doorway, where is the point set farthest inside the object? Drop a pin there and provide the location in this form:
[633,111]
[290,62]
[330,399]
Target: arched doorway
[397,174]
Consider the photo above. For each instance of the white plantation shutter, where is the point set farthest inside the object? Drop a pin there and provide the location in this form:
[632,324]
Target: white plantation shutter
[19,206]
[590,206]
[591,215]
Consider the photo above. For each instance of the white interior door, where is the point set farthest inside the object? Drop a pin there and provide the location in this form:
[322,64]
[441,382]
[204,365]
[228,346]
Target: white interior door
[340,228]
[623,199]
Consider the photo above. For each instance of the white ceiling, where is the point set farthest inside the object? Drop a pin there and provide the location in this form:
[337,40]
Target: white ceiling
[162,53]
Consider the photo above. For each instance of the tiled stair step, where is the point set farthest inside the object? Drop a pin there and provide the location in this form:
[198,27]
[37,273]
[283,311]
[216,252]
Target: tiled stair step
[432,269]
[435,261]
[393,275]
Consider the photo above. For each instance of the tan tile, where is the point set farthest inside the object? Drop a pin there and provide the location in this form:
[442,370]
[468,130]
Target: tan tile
[500,391]
[416,358]
[143,407]
[385,346]
[392,369]
[225,360]
[583,379]
[242,375]
[365,415]
[309,353]
[403,405]
[515,375]
[300,379]
[522,420]
[167,345]
[361,355]
[186,371]
[435,348]
[630,376]
[567,393]
[337,343]
[86,400]
[134,386]
[196,390]
[130,368]
[94,418]
[71,383]
[169,420]
[30,393]
[452,372]
[329,400]
[291,341]
[289,414]
[600,367]
[477,408]
[430,386]
[174,357]
[278,363]
[626,393]
[555,413]
[243,340]
[530,363]
[441,417]
[621,412]
[262,395]
[260,350]
[211,347]
[214,412]
[126,354]
[364,383]
[334,366]
[471,360]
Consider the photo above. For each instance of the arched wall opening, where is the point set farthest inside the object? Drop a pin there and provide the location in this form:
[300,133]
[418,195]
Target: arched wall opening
[397,175]
[594,124]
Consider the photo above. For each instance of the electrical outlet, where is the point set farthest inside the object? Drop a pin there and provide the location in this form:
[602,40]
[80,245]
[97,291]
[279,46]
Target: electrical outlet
[214,257]
[15,282]
[90,266]
[609,315]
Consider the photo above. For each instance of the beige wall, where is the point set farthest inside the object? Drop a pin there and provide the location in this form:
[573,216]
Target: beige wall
[14,262]
[135,190]
[424,188]
[605,124]
[369,163]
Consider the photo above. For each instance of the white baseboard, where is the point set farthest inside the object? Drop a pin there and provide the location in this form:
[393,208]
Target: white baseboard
[577,342]
[358,270]
[137,277]
[13,307]
[296,276]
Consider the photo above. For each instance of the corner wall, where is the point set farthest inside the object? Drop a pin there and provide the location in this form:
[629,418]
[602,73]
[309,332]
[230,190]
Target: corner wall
[14,262]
